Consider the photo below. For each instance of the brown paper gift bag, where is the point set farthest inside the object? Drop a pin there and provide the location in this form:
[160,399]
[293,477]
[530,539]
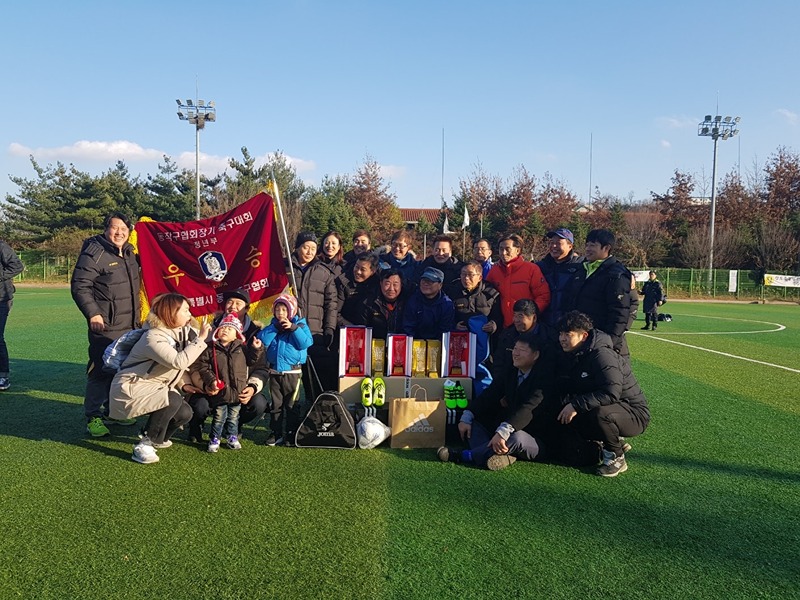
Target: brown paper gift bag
[417,423]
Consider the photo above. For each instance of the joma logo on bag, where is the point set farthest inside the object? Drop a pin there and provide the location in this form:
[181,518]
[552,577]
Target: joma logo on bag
[421,425]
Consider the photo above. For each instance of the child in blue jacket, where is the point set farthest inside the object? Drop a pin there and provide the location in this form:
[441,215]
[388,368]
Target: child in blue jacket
[286,339]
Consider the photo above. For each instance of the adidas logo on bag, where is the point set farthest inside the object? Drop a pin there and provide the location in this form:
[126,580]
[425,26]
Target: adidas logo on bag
[421,425]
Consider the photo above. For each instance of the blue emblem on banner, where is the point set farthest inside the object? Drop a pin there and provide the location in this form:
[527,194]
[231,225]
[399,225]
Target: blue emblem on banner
[213,264]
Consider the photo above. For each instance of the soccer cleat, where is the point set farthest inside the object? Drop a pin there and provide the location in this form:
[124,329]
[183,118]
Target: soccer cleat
[144,454]
[366,391]
[460,395]
[379,388]
[234,443]
[5,383]
[449,394]
[123,422]
[164,444]
[612,465]
[96,428]
[500,461]
[213,444]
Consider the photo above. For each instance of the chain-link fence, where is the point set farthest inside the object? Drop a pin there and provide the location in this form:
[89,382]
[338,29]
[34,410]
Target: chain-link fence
[696,283]
[42,267]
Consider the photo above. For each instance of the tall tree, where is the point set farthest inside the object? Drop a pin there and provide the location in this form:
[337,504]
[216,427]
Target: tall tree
[327,209]
[370,198]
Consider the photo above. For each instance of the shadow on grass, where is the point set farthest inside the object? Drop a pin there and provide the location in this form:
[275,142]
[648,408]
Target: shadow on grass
[708,466]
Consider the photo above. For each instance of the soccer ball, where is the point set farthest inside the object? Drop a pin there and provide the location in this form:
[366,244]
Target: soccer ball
[371,433]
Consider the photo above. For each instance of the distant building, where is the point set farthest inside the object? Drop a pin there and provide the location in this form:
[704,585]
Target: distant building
[411,216]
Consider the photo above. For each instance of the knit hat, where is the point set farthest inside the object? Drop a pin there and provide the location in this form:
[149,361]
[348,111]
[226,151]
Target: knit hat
[230,320]
[303,237]
[289,301]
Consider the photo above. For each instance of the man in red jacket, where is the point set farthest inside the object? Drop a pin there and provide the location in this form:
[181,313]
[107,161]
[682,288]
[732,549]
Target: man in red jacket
[517,279]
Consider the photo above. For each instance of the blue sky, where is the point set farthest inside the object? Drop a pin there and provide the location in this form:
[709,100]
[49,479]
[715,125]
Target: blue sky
[327,83]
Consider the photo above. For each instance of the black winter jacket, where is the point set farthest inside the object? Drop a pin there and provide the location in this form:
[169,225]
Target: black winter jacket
[10,267]
[232,362]
[559,277]
[383,318]
[531,406]
[605,297]
[106,282]
[353,298]
[483,300]
[316,296]
[595,375]
[451,269]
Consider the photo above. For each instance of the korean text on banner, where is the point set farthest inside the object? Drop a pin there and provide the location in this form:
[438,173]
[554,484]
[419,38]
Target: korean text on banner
[203,259]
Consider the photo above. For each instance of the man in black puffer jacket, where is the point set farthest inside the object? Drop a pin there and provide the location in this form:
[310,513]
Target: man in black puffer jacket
[105,286]
[600,396]
[601,289]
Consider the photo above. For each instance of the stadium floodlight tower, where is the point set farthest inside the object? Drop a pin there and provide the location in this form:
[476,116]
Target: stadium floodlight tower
[717,128]
[198,114]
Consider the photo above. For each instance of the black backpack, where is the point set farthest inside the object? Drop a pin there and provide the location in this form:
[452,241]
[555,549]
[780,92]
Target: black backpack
[328,424]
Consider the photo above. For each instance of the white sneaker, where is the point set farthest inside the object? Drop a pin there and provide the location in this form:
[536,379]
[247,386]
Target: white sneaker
[145,454]
[164,444]
[234,443]
[213,444]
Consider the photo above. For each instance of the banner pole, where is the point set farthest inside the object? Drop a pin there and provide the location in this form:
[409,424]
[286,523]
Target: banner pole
[285,236]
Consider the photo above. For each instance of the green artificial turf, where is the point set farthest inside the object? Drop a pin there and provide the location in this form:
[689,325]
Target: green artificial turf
[709,507]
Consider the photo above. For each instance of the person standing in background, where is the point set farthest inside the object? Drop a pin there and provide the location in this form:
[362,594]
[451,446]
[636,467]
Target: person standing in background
[10,267]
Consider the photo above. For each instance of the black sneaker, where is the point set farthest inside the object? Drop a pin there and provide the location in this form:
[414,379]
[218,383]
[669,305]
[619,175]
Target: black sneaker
[500,461]
[5,383]
[272,440]
[645,328]
[612,465]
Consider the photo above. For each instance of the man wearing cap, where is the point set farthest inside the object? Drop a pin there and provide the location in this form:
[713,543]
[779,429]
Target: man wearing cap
[105,286]
[254,403]
[429,312]
[559,266]
[442,259]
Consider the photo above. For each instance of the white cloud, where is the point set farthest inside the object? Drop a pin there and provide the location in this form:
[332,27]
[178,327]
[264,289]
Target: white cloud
[392,171]
[87,150]
[791,117]
[665,144]
[676,122]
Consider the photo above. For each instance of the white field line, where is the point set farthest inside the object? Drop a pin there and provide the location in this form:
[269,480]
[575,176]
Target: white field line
[752,360]
[778,327]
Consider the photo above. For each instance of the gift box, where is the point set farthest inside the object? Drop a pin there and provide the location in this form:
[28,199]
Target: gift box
[419,350]
[398,354]
[355,351]
[433,359]
[379,357]
[458,354]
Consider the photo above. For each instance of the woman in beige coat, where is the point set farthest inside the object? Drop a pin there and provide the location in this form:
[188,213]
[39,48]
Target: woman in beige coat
[151,379]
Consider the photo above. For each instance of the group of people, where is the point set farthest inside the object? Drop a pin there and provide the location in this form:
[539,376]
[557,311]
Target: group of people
[564,314]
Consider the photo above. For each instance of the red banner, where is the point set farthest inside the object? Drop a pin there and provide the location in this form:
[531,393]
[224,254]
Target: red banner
[203,259]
